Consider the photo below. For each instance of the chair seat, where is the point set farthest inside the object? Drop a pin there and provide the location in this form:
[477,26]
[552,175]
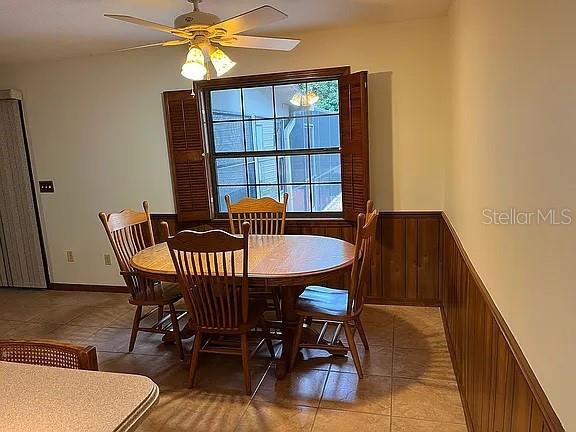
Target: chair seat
[322,302]
[161,294]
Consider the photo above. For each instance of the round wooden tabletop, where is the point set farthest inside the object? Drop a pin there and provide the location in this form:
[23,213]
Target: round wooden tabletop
[273,260]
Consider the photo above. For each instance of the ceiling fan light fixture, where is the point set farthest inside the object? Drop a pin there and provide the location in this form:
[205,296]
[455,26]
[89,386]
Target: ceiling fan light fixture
[304,99]
[222,63]
[194,68]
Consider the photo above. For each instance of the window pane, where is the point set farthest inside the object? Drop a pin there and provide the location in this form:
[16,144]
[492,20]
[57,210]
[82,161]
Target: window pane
[324,131]
[259,135]
[325,168]
[228,137]
[226,104]
[293,169]
[328,99]
[231,171]
[327,198]
[258,102]
[236,194]
[298,197]
[292,133]
[283,94]
[264,191]
[262,170]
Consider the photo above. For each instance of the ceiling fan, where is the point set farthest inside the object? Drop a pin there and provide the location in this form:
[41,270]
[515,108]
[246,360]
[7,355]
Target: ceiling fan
[205,34]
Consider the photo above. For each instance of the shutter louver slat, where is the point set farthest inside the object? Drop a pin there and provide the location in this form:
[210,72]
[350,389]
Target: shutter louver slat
[353,91]
[189,175]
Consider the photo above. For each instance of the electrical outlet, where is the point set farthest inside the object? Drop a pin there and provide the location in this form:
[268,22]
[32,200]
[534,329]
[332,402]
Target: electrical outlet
[107,260]
[69,256]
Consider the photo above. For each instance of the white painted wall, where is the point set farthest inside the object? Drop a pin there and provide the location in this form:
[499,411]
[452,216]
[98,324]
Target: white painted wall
[514,146]
[96,127]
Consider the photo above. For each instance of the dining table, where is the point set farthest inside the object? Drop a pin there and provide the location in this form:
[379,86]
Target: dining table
[44,398]
[287,263]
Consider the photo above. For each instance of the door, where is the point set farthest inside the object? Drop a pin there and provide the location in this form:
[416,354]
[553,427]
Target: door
[22,259]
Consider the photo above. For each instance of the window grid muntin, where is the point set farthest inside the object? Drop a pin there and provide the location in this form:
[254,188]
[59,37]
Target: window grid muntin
[308,151]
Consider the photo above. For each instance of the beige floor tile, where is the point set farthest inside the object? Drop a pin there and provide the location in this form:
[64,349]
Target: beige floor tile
[411,425]
[376,361]
[224,374]
[118,340]
[377,335]
[18,312]
[376,315]
[73,334]
[93,299]
[196,411]
[96,317]
[125,318]
[24,330]
[57,314]
[168,372]
[420,335]
[298,388]
[344,391]
[423,364]
[344,421]
[427,400]
[417,315]
[265,417]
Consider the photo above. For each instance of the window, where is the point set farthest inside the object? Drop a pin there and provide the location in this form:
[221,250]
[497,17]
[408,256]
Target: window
[273,138]
[261,135]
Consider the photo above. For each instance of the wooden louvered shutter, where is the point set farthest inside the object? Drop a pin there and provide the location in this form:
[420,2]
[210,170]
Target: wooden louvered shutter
[187,161]
[353,90]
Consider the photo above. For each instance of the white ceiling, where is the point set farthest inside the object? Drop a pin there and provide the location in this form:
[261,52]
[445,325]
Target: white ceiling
[47,29]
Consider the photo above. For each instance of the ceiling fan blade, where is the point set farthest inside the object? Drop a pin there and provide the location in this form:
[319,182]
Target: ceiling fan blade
[246,21]
[145,23]
[260,42]
[167,43]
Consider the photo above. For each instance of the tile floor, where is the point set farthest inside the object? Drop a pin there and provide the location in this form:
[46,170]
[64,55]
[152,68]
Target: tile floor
[409,387]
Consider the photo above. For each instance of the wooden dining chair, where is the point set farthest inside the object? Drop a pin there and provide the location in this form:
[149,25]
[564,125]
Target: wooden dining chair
[341,307]
[129,232]
[266,216]
[212,269]
[49,353]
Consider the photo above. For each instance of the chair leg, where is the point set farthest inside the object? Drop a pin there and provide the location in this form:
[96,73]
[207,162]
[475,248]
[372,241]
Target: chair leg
[296,344]
[245,362]
[353,349]
[276,300]
[194,361]
[135,327]
[176,330]
[267,336]
[160,313]
[362,334]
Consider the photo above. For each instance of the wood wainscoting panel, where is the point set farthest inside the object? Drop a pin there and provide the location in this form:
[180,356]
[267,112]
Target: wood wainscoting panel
[499,389]
[405,263]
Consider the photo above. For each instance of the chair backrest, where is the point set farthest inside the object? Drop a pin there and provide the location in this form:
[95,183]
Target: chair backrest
[365,237]
[265,215]
[129,232]
[212,270]
[47,353]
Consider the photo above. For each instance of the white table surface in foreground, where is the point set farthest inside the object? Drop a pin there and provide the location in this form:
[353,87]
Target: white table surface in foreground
[40,398]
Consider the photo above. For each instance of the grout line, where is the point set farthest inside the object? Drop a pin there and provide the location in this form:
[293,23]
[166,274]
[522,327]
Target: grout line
[321,396]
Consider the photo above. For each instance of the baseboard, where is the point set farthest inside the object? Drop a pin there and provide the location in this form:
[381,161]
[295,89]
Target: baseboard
[499,390]
[402,302]
[88,288]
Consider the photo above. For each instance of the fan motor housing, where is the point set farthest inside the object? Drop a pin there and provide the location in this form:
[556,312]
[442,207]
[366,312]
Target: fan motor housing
[196,18]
